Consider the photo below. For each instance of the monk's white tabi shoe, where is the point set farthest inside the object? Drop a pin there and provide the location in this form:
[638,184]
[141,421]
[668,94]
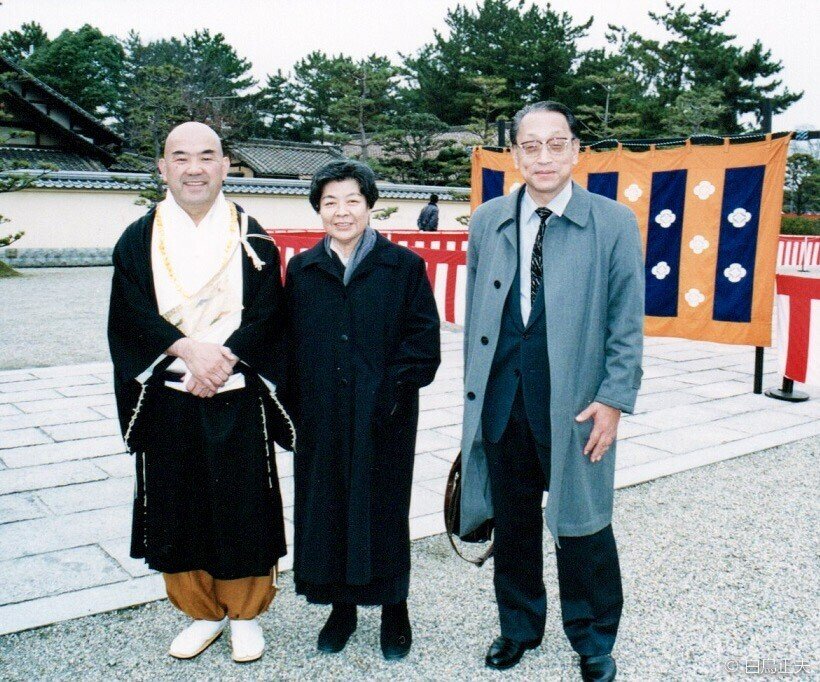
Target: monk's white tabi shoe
[247,640]
[197,637]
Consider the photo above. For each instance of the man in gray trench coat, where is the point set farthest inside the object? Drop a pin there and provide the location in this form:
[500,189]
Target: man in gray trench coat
[552,342]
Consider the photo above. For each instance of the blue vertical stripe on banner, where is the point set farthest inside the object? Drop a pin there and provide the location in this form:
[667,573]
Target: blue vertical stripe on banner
[492,184]
[605,184]
[737,244]
[663,243]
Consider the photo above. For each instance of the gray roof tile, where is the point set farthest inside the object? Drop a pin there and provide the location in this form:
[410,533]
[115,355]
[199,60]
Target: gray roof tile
[286,187]
[283,159]
[36,157]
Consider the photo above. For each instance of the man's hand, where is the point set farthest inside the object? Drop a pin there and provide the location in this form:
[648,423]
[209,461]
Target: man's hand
[197,388]
[209,365]
[604,430]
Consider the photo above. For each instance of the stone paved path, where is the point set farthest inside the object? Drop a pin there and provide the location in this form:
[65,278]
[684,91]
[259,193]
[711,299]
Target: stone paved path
[66,484]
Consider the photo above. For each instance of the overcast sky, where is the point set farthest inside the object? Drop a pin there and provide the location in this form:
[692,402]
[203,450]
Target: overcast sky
[273,34]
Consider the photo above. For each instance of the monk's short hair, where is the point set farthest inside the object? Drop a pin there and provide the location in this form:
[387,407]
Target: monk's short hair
[546,105]
[344,170]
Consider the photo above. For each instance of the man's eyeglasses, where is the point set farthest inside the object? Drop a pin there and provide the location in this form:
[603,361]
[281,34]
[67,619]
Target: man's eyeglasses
[555,145]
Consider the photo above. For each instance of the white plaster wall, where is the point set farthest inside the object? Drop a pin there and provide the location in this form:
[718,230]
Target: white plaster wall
[65,219]
[60,219]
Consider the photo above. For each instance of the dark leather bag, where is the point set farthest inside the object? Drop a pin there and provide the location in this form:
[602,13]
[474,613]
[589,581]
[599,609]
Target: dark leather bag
[452,518]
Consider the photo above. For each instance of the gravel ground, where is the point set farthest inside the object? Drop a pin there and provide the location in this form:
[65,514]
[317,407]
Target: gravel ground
[54,316]
[720,564]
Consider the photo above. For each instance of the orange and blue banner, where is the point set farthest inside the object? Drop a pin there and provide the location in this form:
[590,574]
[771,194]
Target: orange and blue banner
[709,218]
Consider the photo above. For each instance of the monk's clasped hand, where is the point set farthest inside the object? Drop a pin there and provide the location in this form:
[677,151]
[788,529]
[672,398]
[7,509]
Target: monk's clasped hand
[209,365]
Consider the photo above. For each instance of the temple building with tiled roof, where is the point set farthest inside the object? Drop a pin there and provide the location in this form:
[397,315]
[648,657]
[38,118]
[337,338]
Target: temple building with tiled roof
[41,126]
[257,158]
[74,213]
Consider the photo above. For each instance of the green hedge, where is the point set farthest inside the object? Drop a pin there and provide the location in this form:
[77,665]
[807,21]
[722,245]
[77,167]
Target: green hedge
[798,224]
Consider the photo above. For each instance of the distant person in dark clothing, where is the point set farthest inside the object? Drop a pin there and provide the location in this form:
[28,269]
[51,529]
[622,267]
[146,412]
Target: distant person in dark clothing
[428,218]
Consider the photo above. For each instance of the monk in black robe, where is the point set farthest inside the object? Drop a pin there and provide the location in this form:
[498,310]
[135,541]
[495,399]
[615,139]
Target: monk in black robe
[195,332]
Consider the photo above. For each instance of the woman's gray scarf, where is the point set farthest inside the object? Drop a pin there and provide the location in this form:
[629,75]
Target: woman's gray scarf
[365,246]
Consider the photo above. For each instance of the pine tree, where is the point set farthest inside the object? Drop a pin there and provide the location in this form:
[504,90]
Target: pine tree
[699,55]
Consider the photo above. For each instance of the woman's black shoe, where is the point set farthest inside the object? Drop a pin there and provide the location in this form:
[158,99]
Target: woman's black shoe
[337,630]
[396,634]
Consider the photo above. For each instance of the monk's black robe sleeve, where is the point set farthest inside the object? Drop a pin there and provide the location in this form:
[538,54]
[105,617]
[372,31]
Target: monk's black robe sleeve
[259,341]
[137,334]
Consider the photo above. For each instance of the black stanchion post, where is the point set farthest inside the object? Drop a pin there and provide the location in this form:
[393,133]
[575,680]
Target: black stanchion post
[787,392]
[766,121]
[758,370]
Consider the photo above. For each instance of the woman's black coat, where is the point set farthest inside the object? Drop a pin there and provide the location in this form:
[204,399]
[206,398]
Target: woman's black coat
[358,355]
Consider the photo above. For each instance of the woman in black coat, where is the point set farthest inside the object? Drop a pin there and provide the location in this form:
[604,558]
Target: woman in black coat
[364,339]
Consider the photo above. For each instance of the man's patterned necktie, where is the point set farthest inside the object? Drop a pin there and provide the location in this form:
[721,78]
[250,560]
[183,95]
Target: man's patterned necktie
[537,262]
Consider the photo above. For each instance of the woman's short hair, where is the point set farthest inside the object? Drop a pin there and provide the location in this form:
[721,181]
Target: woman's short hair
[344,170]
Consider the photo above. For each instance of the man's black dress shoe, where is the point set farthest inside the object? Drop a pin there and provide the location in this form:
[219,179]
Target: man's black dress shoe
[396,633]
[598,668]
[338,628]
[505,652]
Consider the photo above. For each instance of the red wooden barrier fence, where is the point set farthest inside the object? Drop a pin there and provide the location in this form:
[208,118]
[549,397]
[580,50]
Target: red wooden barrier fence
[446,258]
